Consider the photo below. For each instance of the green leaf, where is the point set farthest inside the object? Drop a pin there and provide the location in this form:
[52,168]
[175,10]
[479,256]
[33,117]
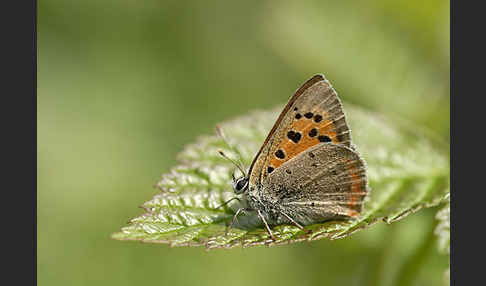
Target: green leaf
[443,229]
[406,172]
[443,232]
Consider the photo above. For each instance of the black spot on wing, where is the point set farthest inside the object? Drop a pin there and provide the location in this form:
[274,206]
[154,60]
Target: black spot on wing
[324,138]
[280,154]
[313,132]
[294,136]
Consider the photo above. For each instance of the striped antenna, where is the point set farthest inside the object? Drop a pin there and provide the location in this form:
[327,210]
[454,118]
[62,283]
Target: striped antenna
[238,163]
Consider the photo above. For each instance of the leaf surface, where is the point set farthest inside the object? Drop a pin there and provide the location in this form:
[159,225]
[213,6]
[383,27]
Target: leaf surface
[407,171]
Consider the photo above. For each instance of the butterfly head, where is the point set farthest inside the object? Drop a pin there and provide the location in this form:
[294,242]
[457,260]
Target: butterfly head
[240,185]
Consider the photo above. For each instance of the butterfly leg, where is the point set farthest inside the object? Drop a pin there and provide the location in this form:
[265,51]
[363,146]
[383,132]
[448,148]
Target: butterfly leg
[235,219]
[296,223]
[266,225]
[227,202]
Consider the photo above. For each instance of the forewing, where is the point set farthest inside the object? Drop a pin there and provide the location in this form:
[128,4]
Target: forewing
[313,115]
[326,180]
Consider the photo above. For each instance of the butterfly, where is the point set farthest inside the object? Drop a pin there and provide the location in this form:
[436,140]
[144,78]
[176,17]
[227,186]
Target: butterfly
[307,170]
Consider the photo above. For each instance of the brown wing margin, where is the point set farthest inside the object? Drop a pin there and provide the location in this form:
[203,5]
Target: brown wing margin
[299,92]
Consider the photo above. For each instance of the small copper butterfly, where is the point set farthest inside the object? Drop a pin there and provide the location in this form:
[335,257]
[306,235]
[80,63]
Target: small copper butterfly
[307,170]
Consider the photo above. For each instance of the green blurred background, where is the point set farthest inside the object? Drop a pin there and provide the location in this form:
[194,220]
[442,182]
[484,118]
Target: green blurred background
[124,85]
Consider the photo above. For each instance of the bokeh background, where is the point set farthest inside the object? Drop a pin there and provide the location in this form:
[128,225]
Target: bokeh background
[124,85]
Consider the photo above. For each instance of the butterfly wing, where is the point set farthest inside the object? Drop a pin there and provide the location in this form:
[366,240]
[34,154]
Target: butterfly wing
[313,115]
[325,181]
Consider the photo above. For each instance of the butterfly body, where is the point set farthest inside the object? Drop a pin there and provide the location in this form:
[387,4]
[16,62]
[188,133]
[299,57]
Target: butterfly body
[316,189]
[307,171]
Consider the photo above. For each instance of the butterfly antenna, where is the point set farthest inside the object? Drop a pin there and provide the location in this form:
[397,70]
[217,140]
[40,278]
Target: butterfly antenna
[237,164]
[232,161]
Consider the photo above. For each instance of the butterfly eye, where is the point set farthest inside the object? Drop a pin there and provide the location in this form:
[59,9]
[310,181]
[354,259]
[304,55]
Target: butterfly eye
[240,185]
